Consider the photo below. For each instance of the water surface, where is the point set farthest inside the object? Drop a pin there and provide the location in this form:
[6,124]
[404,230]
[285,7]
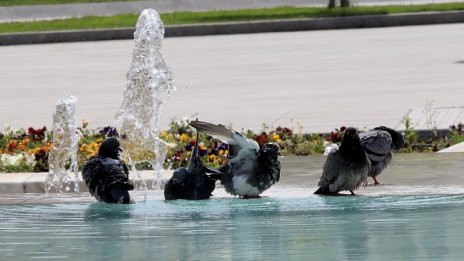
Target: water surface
[416,215]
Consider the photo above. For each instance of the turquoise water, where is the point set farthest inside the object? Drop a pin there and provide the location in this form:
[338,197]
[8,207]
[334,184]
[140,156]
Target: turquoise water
[385,227]
[416,215]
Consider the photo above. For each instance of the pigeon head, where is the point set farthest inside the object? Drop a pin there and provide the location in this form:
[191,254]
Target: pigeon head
[351,145]
[178,176]
[350,137]
[271,150]
[397,138]
[110,148]
[352,133]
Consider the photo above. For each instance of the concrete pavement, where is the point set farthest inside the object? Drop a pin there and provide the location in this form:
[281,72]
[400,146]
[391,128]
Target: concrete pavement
[408,174]
[318,80]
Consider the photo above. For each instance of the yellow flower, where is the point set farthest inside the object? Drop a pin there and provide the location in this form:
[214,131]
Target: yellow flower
[164,134]
[202,147]
[47,147]
[276,138]
[211,158]
[90,149]
[220,161]
[83,147]
[223,153]
[184,138]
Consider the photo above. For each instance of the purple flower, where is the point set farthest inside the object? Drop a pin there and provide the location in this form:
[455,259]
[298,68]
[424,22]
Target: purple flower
[109,131]
[223,146]
[202,152]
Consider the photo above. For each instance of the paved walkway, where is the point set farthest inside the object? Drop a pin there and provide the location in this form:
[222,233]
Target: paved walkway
[315,79]
[59,11]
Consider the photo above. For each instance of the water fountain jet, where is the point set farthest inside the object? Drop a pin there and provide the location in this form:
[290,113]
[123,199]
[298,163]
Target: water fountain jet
[63,168]
[148,84]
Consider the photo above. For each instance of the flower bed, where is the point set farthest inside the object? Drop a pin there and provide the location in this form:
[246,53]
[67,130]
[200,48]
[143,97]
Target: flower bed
[27,150]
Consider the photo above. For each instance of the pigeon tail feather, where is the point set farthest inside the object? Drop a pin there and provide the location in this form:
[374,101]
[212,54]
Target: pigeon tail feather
[323,191]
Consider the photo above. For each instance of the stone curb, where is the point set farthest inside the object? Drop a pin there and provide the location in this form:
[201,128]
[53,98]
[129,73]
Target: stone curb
[368,21]
[14,183]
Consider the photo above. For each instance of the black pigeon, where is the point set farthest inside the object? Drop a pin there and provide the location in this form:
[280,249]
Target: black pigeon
[380,143]
[250,170]
[106,176]
[346,168]
[191,183]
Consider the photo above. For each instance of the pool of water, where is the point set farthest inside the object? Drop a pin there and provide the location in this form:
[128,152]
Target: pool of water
[408,218]
[300,228]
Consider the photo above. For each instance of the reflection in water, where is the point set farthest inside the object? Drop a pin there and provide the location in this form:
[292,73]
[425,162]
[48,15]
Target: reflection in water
[107,223]
[99,211]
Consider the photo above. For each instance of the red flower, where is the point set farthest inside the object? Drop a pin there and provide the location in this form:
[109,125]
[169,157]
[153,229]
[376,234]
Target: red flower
[284,132]
[261,139]
[37,135]
[11,146]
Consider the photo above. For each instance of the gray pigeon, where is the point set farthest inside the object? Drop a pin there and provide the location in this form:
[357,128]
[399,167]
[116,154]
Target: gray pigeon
[379,145]
[250,169]
[346,168]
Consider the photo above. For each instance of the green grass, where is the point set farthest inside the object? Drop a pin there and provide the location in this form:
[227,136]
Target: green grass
[129,20]
[52,2]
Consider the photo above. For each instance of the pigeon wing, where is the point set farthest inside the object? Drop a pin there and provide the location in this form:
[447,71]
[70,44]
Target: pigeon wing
[331,169]
[397,138]
[377,143]
[91,173]
[236,141]
[116,175]
[216,131]
[195,161]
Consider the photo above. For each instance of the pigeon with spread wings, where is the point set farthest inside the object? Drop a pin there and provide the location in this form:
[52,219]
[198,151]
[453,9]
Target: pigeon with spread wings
[250,169]
[193,182]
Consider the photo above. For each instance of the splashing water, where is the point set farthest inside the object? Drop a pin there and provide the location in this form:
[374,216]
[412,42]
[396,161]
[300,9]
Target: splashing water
[63,170]
[148,85]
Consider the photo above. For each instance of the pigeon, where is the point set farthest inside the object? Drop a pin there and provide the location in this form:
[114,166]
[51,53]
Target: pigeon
[345,168]
[106,176]
[380,143]
[193,182]
[250,170]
